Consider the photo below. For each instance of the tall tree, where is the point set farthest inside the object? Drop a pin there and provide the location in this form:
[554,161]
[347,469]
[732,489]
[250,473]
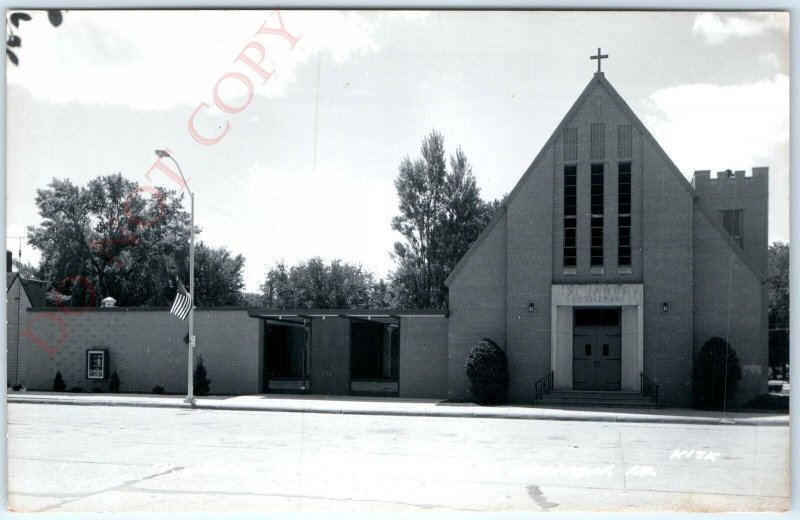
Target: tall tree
[313,284]
[218,276]
[110,238]
[441,215]
[778,278]
[27,270]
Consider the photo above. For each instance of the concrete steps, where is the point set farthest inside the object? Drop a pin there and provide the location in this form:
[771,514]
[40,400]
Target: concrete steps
[595,399]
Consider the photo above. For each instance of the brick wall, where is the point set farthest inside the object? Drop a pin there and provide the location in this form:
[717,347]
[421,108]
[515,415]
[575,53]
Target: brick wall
[729,304]
[529,228]
[477,305]
[146,348]
[668,276]
[423,357]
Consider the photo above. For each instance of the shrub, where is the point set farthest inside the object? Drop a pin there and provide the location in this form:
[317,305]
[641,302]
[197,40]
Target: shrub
[76,389]
[487,370]
[58,383]
[716,373]
[158,389]
[114,383]
[769,402]
[17,387]
[202,384]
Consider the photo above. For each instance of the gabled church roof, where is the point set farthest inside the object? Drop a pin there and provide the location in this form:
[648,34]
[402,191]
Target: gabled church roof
[599,80]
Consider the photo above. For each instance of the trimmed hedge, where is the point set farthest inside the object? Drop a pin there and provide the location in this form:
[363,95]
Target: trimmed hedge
[769,402]
[716,373]
[487,370]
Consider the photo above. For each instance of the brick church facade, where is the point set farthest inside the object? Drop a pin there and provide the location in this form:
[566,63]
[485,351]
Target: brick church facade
[604,268]
[605,264]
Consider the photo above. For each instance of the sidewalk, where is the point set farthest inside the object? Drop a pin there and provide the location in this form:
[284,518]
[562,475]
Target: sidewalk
[404,407]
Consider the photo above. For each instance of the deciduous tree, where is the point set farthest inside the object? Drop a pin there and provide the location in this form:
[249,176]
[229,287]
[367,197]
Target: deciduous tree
[218,276]
[115,238]
[441,215]
[313,284]
[778,278]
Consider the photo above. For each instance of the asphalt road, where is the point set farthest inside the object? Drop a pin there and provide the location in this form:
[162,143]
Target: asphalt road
[111,459]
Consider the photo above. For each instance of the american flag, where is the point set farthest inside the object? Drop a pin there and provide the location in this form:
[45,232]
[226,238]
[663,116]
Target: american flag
[183,302]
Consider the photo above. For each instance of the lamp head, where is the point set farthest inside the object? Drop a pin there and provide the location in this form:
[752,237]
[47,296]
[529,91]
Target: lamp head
[163,153]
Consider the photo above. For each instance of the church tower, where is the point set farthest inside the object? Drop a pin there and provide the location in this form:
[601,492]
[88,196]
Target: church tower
[739,203]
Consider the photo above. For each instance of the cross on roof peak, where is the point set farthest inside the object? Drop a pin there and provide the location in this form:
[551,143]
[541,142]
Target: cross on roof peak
[599,57]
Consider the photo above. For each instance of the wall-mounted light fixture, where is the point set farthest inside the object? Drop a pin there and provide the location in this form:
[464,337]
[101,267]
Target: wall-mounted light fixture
[665,307]
[530,307]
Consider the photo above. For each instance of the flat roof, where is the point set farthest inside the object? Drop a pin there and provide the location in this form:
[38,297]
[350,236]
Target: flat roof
[345,313]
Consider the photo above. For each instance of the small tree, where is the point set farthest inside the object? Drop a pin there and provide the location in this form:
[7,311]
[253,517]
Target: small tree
[58,383]
[202,384]
[716,373]
[487,370]
[114,383]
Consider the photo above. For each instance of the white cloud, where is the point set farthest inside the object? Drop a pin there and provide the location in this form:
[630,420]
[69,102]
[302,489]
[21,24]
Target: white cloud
[704,126]
[159,59]
[711,127]
[717,28]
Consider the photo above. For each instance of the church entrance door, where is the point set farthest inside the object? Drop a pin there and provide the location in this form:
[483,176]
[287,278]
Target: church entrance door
[596,349]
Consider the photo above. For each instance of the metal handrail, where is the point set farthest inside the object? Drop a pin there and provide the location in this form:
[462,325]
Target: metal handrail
[649,387]
[543,386]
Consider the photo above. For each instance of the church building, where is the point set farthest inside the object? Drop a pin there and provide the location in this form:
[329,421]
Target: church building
[608,269]
[602,274]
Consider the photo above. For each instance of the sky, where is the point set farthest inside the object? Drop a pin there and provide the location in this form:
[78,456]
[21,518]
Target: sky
[296,157]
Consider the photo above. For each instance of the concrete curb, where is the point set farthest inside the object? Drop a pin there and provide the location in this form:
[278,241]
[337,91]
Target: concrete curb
[541,414]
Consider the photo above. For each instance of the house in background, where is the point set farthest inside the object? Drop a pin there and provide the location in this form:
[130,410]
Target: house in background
[21,294]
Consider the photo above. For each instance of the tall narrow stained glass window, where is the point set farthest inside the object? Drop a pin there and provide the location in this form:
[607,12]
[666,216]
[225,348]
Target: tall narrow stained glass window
[624,214]
[596,217]
[570,215]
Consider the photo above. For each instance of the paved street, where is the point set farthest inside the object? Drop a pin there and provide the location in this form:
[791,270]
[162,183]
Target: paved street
[101,458]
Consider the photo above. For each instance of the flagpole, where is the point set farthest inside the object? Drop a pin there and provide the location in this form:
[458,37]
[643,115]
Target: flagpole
[189,366]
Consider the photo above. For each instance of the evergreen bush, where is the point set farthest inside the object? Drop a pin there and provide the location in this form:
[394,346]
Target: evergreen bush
[716,373]
[58,383]
[114,383]
[202,384]
[487,370]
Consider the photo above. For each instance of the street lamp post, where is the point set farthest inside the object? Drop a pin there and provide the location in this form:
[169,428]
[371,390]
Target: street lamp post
[189,368]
